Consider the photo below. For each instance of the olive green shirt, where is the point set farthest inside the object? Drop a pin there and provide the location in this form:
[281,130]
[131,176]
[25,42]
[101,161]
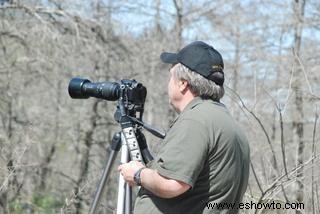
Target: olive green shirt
[206,149]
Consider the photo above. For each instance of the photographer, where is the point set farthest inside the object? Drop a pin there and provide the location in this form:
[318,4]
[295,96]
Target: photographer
[205,156]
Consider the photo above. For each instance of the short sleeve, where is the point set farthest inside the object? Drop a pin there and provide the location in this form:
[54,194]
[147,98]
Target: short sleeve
[184,151]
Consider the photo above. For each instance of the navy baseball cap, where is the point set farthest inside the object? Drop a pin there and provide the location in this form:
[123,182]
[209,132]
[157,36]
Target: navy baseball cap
[200,58]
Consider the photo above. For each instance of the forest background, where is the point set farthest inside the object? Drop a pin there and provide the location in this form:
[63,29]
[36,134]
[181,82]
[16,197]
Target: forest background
[53,148]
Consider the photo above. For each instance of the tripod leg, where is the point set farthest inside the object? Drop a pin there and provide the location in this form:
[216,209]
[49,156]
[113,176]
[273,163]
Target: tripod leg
[115,146]
[122,184]
[128,204]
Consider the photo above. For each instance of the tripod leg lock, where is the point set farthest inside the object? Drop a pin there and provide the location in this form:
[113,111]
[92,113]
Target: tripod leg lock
[133,146]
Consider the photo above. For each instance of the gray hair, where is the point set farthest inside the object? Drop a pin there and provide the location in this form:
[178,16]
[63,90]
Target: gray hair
[198,84]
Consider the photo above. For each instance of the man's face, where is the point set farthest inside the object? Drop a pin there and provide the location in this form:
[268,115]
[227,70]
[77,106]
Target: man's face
[173,88]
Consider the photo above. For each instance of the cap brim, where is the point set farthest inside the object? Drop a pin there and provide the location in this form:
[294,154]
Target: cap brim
[171,58]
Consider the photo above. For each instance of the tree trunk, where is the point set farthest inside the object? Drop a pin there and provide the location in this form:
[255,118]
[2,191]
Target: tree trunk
[47,160]
[178,24]
[178,32]
[298,116]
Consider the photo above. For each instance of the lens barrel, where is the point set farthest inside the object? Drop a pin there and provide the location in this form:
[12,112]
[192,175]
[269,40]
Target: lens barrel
[83,88]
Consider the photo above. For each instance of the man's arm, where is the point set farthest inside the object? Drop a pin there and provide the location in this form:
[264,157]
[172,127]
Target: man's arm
[153,181]
[161,186]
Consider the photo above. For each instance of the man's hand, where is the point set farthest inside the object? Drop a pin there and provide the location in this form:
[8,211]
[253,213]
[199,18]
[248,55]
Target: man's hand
[127,170]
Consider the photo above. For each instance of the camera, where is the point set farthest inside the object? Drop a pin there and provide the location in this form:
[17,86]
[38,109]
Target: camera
[129,90]
[130,94]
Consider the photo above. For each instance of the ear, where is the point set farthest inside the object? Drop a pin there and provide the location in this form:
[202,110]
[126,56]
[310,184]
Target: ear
[183,85]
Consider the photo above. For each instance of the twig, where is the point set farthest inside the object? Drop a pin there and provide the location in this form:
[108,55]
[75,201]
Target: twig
[278,182]
[274,160]
[313,155]
[256,178]
[283,150]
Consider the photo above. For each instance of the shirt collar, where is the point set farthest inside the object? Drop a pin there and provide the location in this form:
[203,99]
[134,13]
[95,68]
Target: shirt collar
[193,103]
[196,101]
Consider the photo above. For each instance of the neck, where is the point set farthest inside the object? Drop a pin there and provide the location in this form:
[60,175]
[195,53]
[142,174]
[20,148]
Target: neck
[184,102]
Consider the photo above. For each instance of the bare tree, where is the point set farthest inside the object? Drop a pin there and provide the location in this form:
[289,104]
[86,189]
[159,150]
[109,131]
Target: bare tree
[298,115]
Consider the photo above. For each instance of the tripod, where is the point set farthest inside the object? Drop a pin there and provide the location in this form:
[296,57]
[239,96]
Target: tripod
[131,96]
[133,147]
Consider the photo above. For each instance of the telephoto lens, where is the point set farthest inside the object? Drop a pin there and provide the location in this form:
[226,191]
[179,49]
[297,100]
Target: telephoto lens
[83,89]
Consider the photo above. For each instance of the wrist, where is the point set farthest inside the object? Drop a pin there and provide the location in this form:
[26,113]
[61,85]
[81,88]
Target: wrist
[137,176]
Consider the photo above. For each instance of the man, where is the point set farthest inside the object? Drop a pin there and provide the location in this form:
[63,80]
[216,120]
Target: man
[204,160]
